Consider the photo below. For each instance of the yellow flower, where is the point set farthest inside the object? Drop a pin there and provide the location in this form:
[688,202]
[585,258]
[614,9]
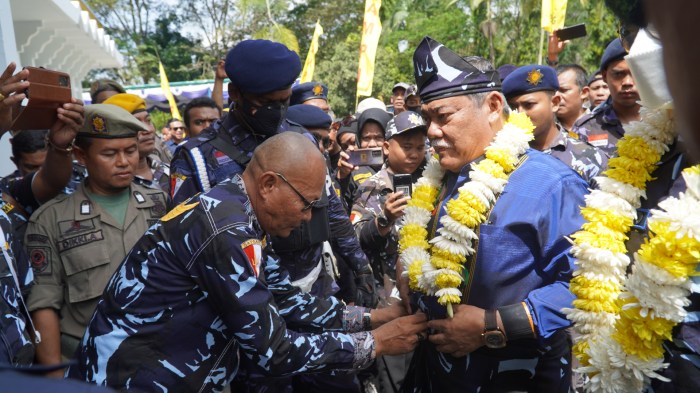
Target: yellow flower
[611,220]
[521,120]
[595,295]
[448,256]
[693,170]
[636,148]
[447,298]
[444,280]
[502,158]
[580,350]
[597,241]
[414,271]
[424,197]
[413,235]
[636,179]
[467,213]
[492,168]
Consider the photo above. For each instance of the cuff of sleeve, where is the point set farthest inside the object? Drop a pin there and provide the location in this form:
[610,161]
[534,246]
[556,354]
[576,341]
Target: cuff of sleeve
[364,350]
[517,321]
[353,318]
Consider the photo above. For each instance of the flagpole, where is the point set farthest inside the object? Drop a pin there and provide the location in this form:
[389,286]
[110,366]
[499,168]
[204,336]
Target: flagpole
[539,58]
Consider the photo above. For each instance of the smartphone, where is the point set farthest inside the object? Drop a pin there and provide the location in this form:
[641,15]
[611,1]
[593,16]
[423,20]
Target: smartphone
[48,90]
[366,157]
[403,183]
[569,33]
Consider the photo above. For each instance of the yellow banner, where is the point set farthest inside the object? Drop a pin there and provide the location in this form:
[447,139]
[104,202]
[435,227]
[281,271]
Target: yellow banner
[553,14]
[371,30]
[165,86]
[307,74]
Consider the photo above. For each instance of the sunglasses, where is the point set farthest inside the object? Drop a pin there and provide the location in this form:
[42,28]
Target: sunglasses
[307,205]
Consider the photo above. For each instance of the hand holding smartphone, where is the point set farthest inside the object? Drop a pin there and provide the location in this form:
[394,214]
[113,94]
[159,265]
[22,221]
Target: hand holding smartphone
[571,32]
[404,184]
[366,157]
[48,90]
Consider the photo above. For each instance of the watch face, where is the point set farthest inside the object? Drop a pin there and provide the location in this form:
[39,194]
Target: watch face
[495,339]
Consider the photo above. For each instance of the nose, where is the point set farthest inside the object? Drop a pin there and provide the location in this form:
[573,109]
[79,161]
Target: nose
[628,81]
[121,159]
[434,132]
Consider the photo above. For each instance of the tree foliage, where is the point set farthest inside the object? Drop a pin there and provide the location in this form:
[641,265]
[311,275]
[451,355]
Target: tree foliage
[145,29]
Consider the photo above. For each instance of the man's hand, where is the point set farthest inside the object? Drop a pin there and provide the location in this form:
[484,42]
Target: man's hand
[461,334]
[220,72]
[366,293]
[555,47]
[394,205]
[402,285]
[381,316]
[400,335]
[344,167]
[12,89]
[70,119]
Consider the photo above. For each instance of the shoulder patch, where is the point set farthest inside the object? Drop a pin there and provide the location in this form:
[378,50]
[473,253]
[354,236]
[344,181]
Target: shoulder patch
[179,209]
[159,207]
[176,180]
[253,250]
[35,238]
[40,260]
[355,216]
[361,177]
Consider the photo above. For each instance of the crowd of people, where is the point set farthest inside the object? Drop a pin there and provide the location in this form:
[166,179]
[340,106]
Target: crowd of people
[268,245]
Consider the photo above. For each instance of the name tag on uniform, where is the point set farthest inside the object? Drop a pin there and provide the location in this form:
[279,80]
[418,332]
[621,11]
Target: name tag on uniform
[80,240]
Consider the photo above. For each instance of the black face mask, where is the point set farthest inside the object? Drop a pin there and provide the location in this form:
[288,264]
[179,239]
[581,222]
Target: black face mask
[414,109]
[267,118]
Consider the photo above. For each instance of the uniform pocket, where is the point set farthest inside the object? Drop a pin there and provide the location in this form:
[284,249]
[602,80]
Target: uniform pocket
[87,269]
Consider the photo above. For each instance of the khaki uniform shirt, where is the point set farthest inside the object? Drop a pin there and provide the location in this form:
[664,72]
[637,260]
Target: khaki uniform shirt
[75,247]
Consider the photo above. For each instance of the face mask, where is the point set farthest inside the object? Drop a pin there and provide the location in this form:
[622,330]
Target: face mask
[414,109]
[267,118]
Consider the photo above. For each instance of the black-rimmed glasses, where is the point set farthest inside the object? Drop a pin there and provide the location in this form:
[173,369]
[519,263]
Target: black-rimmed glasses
[307,205]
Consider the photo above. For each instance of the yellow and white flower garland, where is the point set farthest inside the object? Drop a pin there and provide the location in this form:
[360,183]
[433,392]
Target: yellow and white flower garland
[602,264]
[436,267]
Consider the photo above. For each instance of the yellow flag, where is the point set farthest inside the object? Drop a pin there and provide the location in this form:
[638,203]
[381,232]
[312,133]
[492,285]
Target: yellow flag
[553,14]
[165,86]
[371,30]
[310,64]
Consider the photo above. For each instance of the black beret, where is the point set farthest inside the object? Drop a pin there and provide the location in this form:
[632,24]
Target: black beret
[505,70]
[309,116]
[441,73]
[613,52]
[262,66]
[308,91]
[529,79]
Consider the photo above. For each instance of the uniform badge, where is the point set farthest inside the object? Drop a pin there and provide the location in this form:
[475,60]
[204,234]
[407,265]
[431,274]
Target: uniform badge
[176,181]
[598,140]
[98,125]
[85,208]
[253,250]
[414,119]
[139,197]
[535,77]
[221,157]
[318,90]
[179,209]
[355,217]
[7,207]
[38,256]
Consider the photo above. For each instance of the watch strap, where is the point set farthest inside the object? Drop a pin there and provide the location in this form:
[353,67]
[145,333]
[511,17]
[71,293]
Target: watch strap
[517,322]
[490,321]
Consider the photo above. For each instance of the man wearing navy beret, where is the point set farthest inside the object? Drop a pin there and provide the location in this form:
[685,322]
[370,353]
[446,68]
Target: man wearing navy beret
[531,89]
[605,125]
[315,120]
[310,93]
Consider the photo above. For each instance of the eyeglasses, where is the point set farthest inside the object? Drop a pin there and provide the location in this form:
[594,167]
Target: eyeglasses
[307,205]
[178,128]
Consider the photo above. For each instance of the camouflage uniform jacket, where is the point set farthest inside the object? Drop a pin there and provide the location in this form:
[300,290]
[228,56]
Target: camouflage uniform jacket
[16,347]
[161,175]
[601,128]
[584,158]
[186,181]
[196,294]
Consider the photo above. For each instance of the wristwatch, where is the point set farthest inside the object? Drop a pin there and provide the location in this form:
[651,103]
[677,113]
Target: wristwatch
[493,336]
[382,221]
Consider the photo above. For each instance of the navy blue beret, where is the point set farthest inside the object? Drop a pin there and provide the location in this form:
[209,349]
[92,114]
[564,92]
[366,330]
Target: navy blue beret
[262,66]
[404,122]
[441,73]
[529,79]
[612,53]
[309,116]
[308,91]
[505,70]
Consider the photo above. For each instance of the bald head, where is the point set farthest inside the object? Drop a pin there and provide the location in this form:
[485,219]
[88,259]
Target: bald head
[286,174]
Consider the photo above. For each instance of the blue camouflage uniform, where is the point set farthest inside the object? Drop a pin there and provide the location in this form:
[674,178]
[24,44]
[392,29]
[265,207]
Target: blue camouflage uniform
[198,165]
[522,257]
[584,158]
[16,347]
[600,128]
[199,291]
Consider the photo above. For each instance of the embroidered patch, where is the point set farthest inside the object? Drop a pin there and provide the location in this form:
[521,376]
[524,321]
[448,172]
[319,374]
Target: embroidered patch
[80,240]
[355,217]
[38,256]
[598,140]
[253,250]
[98,124]
[176,181]
[318,90]
[72,226]
[221,157]
[179,209]
[7,207]
[34,238]
[535,77]
[158,209]
[361,177]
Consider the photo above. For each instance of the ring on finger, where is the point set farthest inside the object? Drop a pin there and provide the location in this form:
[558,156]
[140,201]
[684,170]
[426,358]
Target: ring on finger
[2,97]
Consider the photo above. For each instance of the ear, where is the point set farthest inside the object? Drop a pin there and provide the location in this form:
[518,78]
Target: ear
[267,184]
[80,155]
[385,148]
[604,74]
[556,100]
[585,92]
[233,93]
[493,105]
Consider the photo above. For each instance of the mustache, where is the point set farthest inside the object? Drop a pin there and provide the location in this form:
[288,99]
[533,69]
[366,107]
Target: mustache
[440,143]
